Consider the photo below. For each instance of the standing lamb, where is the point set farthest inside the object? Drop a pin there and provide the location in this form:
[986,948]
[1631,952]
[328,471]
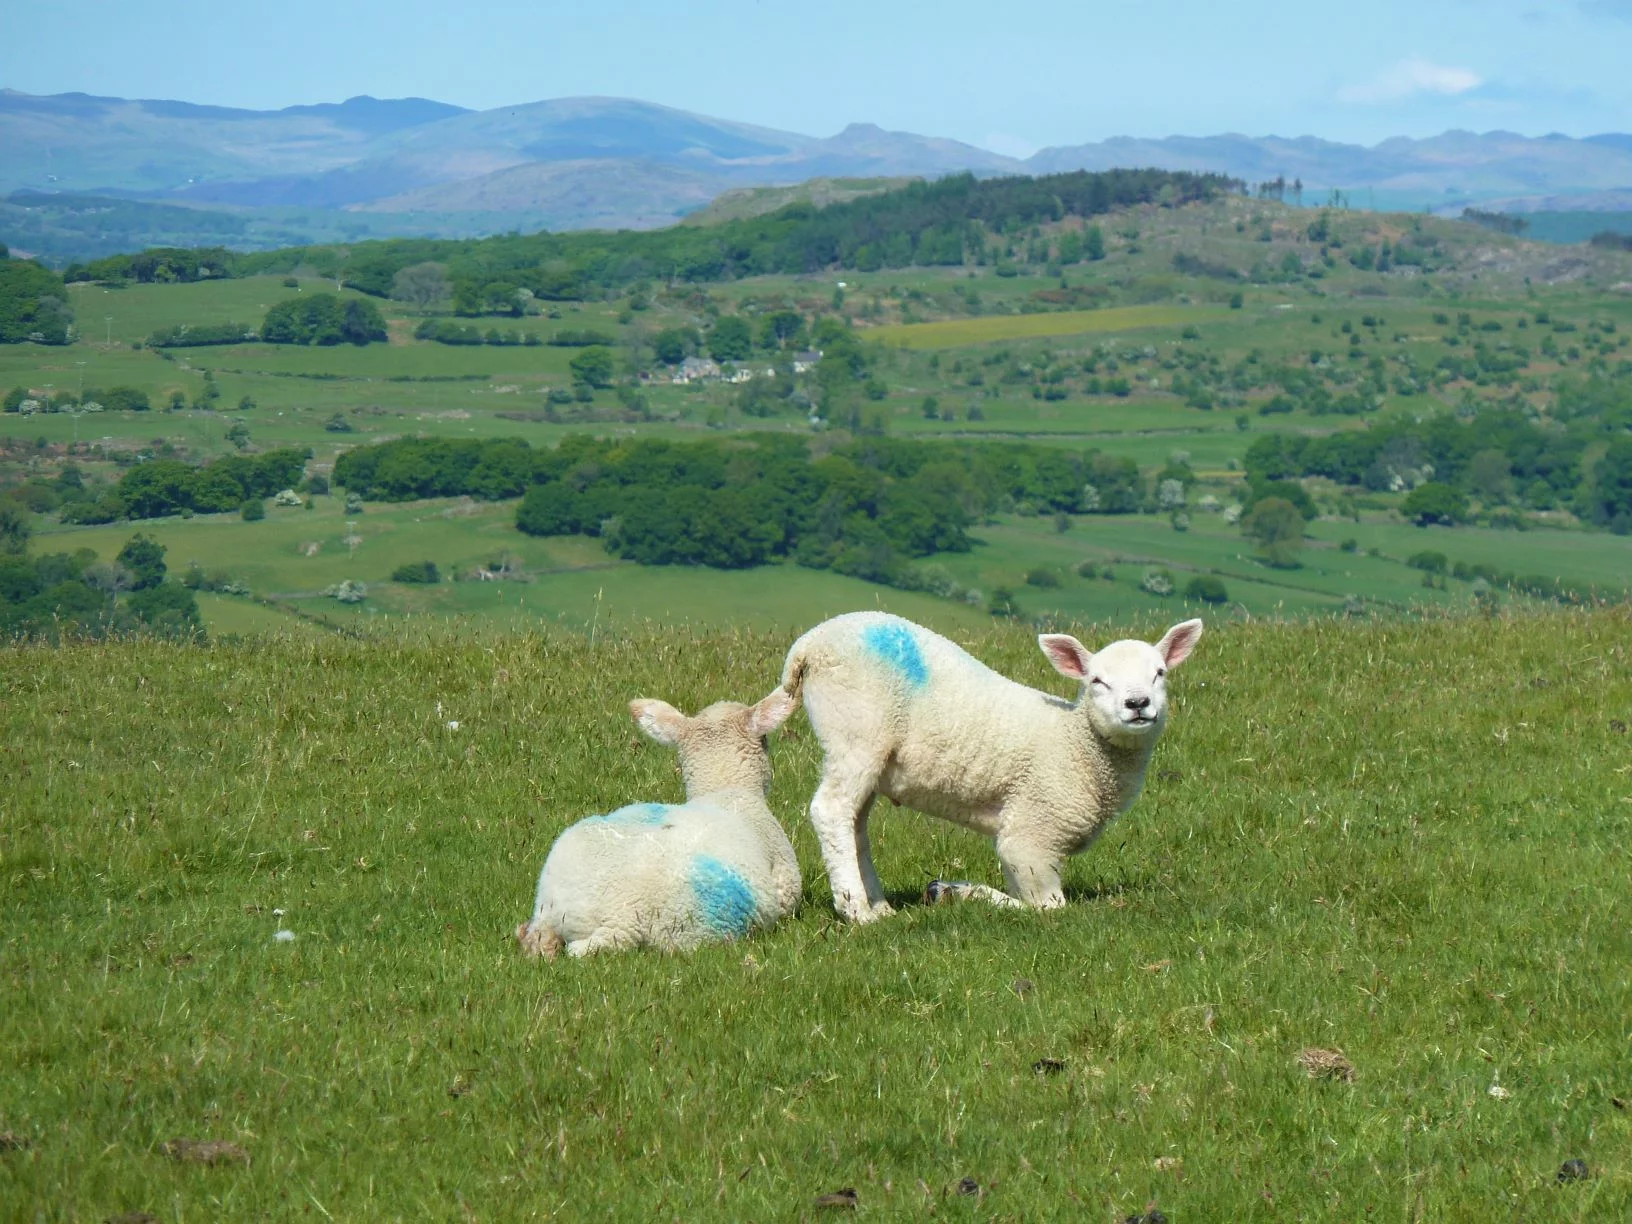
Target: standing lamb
[674,876]
[900,711]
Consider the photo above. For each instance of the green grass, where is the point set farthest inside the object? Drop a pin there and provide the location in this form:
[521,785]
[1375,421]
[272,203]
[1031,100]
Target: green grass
[570,580]
[292,556]
[959,332]
[1404,840]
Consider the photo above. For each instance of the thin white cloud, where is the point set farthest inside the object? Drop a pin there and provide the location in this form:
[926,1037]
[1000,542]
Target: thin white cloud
[1009,146]
[1410,77]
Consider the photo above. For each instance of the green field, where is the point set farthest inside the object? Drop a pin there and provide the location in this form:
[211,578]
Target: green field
[955,334]
[955,354]
[1404,842]
[289,559]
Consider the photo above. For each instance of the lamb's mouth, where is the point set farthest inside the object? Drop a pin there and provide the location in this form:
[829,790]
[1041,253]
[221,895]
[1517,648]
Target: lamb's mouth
[1139,720]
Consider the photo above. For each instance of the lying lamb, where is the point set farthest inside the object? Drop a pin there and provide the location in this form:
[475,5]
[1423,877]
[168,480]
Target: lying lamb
[903,712]
[675,876]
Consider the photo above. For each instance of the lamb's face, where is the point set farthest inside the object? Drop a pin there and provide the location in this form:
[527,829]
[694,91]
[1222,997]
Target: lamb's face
[1124,684]
[1126,694]
[723,745]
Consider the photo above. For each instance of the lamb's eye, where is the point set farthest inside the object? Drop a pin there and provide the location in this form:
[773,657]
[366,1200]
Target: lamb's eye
[1160,672]
[1097,681]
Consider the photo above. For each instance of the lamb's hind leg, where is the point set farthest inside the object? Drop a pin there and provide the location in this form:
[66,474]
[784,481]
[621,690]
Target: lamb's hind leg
[864,860]
[602,939]
[837,812]
[963,890]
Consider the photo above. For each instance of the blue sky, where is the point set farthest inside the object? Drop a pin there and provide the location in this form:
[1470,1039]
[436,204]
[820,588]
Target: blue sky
[1013,77]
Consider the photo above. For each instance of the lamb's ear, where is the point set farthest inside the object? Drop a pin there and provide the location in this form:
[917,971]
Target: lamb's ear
[1178,642]
[771,712]
[1069,656]
[659,720]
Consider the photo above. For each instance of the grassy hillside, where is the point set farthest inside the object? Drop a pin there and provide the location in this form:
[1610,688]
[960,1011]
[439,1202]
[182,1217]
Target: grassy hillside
[1140,354]
[1405,842]
[744,202]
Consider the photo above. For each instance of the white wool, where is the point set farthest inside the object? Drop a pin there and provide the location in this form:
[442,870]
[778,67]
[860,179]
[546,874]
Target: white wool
[676,875]
[902,712]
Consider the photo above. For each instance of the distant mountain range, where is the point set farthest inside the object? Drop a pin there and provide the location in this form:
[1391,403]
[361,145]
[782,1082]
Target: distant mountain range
[412,165]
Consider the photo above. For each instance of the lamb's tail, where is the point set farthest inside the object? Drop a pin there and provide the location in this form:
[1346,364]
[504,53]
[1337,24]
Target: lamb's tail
[793,672]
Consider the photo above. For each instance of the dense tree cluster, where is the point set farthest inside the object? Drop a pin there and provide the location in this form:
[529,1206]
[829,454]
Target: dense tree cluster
[159,265]
[445,331]
[323,318]
[412,468]
[169,486]
[33,304]
[1501,454]
[923,223]
[865,507]
[75,595]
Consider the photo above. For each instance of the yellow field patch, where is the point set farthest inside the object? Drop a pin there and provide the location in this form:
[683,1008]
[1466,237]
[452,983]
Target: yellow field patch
[954,333]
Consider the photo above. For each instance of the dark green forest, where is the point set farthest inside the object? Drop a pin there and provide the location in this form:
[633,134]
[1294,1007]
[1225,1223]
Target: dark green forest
[59,595]
[1499,454]
[865,507]
[161,487]
[323,319]
[924,223]
[33,303]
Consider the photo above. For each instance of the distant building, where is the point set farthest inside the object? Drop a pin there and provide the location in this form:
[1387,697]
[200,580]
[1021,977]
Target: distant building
[805,361]
[695,369]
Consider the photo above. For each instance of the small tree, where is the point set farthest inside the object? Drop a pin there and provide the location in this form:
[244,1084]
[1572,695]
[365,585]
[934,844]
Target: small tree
[731,340]
[593,366]
[14,529]
[1207,588]
[417,572]
[1277,527]
[1435,503]
[144,558]
[422,284]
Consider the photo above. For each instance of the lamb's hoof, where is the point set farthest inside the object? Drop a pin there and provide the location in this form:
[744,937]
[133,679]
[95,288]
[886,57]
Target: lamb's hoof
[882,909]
[937,891]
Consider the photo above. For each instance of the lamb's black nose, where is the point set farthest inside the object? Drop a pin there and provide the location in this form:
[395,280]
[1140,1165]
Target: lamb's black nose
[1137,703]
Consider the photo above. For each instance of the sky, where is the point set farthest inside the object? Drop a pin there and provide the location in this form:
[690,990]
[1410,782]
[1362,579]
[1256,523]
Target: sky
[1010,77]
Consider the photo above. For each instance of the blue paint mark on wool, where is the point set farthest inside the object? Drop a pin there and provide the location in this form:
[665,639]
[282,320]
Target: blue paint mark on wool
[895,644]
[636,814]
[725,901]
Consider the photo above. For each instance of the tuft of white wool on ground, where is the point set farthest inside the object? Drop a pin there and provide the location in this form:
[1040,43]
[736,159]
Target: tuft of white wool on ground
[902,712]
[676,875]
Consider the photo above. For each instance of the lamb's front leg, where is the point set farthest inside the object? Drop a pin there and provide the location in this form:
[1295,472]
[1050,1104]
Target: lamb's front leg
[1031,869]
[1033,880]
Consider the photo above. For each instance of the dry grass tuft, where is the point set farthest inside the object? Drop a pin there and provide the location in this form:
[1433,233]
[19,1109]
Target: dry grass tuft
[205,1151]
[1326,1064]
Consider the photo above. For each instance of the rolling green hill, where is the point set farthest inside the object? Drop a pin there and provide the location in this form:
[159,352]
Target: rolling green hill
[1393,343]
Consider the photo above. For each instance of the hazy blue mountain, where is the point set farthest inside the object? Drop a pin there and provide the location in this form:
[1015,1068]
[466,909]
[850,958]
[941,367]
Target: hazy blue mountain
[1402,172]
[412,165]
[78,142]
